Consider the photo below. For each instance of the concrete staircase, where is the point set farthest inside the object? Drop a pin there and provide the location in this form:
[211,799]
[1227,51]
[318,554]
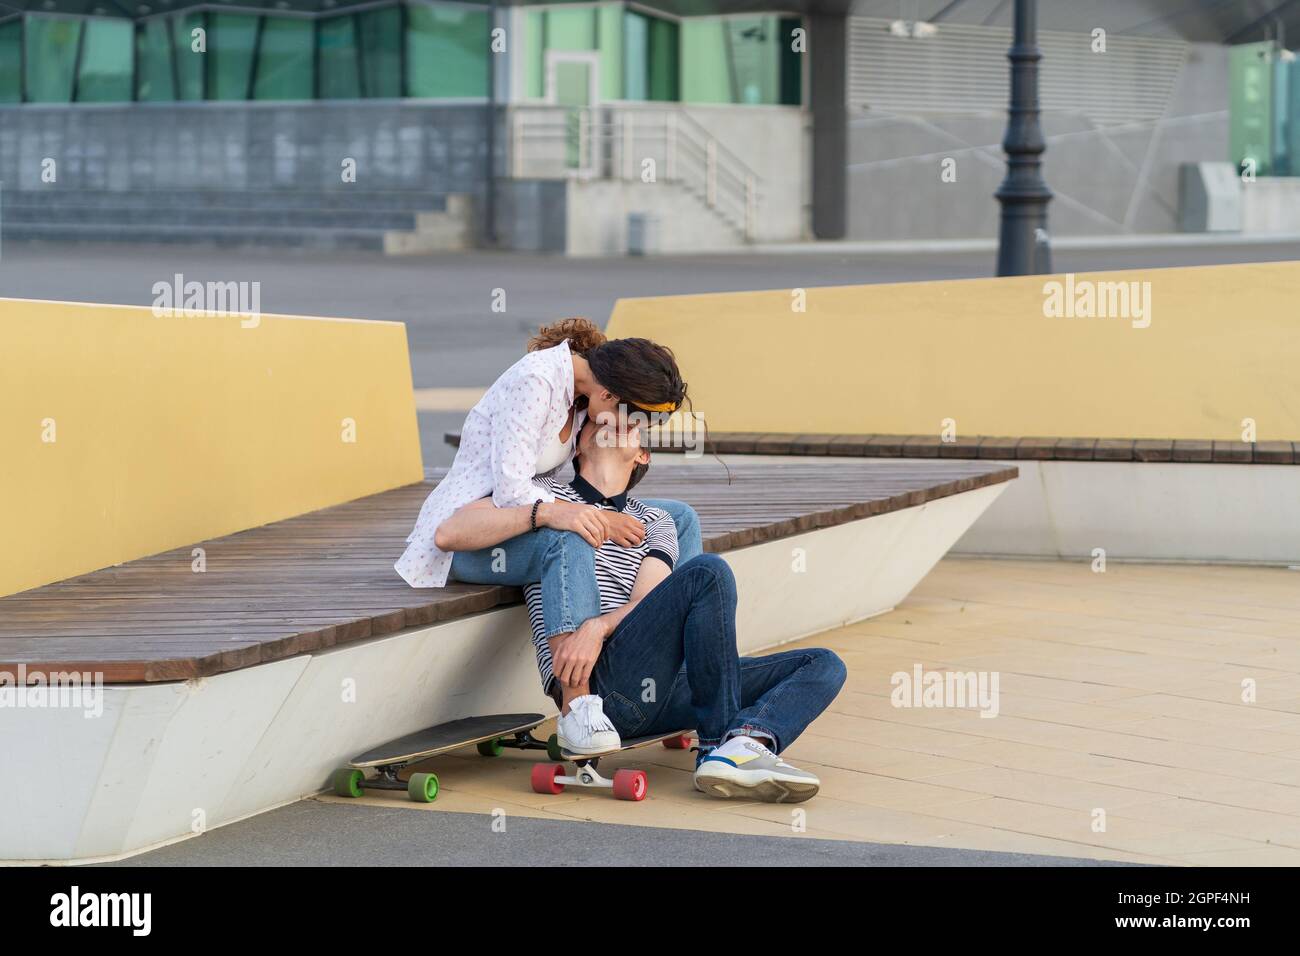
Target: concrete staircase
[397,223]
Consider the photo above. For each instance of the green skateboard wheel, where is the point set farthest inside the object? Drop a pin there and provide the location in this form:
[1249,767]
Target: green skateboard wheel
[491,748]
[553,748]
[422,787]
[347,782]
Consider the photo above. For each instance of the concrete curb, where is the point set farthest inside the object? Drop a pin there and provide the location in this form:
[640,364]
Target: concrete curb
[1064,244]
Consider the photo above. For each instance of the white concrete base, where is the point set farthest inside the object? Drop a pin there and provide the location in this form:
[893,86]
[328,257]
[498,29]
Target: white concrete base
[1270,205]
[598,210]
[165,761]
[1145,511]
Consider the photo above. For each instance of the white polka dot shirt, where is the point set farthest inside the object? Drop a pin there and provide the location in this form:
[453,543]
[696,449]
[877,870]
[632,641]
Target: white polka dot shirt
[503,437]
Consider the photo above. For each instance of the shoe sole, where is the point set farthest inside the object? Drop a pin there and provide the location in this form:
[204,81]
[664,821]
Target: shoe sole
[769,789]
[588,751]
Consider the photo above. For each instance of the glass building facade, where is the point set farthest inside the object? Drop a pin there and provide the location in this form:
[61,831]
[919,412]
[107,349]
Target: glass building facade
[415,49]
[1264,115]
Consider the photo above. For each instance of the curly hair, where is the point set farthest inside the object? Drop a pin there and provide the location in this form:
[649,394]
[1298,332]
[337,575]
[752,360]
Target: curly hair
[581,334]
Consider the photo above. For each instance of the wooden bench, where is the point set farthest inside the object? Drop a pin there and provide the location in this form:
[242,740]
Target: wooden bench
[326,579]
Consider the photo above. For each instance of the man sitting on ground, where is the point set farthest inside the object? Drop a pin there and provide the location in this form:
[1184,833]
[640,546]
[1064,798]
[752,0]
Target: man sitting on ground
[662,654]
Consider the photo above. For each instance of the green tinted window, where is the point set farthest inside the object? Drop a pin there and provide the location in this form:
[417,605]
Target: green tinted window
[1251,105]
[649,58]
[337,39]
[286,60]
[1289,140]
[791,64]
[664,56]
[106,61]
[753,46]
[51,58]
[571,29]
[705,74]
[609,40]
[11,60]
[446,51]
[381,51]
[734,60]
[534,54]
[636,51]
[189,60]
[231,38]
[153,58]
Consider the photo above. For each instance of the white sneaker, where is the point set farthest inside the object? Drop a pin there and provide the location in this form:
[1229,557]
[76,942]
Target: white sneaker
[585,729]
[743,767]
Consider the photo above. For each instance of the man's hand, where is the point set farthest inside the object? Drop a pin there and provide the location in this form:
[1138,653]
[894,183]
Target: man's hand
[583,520]
[624,530]
[574,656]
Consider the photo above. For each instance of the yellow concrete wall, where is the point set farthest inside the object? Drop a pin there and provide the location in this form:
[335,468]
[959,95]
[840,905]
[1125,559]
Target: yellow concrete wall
[172,430]
[1223,344]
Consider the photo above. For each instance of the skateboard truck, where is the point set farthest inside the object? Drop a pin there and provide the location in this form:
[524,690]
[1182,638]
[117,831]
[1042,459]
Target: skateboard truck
[627,784]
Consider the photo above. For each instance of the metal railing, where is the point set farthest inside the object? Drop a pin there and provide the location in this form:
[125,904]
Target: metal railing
[634,144]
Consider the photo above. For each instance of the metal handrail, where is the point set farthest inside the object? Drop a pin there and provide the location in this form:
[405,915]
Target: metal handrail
[601,142]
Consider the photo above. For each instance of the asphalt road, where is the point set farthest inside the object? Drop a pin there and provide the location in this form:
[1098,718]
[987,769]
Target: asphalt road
[313,833]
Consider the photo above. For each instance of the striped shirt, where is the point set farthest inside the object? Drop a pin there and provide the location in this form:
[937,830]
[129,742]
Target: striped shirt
[616,566]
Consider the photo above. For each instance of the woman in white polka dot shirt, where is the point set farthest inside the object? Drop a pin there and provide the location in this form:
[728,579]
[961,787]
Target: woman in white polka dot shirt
[525,426]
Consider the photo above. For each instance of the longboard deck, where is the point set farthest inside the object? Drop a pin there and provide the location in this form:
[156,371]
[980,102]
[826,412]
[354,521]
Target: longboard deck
[627,745]
[444,737]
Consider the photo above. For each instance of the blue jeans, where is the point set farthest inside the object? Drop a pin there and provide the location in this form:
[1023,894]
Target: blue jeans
[672,664]
[564,564]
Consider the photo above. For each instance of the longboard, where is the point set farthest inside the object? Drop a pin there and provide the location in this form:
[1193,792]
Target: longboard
[492,734]
[627,784]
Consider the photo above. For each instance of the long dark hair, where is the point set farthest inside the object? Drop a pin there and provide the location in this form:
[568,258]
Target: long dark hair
[643,374]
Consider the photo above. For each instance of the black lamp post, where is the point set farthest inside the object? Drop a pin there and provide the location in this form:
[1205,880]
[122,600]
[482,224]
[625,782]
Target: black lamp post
[490,187]
[1023,247]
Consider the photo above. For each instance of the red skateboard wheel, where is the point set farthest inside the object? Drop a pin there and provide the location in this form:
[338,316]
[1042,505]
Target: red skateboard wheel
[678,743]
[630,784]
[543,778]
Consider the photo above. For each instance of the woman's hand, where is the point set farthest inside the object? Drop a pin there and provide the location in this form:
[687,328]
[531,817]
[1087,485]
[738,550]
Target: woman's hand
[582,520]
[595,525]
[574,655]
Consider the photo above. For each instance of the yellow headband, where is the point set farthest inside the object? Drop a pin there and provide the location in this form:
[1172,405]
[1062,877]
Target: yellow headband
[661,407]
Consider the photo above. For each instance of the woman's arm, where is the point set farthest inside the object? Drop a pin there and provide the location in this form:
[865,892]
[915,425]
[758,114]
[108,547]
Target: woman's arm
[517,436]
[481,524]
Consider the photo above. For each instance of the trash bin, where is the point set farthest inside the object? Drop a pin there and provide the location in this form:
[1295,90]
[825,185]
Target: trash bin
[642,233]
